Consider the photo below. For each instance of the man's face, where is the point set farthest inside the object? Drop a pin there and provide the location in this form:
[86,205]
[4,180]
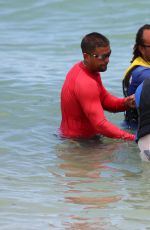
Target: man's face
[145,48]
[98,60]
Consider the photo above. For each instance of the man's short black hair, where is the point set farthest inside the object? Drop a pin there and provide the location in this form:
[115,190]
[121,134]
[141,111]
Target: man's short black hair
[93,40]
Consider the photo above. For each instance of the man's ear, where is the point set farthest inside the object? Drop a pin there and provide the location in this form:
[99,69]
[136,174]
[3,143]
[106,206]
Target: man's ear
[85,55]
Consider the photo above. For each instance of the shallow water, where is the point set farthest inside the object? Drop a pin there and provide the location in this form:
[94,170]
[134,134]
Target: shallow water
[48,182]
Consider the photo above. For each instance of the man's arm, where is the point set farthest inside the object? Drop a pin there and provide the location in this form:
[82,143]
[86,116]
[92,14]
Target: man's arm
[89,98]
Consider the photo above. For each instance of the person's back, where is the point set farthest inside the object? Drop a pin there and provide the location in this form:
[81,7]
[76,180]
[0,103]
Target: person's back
[74,122]
[142,97]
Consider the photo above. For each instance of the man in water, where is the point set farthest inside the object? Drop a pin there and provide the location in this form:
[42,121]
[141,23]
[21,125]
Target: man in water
[84,98]
[137,72]
[142,97]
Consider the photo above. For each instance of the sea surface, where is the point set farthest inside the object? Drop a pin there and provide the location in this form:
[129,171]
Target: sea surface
[51,183]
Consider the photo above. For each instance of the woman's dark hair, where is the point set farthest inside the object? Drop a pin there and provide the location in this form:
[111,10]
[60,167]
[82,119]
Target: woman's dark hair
[139,41]
[93,40]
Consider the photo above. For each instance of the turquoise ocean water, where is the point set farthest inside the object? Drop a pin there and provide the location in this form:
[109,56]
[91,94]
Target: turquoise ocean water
[49,183]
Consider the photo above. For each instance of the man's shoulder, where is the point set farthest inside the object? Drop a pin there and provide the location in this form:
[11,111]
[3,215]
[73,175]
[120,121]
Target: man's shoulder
[140,69]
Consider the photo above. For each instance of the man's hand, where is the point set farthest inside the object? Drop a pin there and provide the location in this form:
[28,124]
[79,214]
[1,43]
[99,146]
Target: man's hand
[130,101]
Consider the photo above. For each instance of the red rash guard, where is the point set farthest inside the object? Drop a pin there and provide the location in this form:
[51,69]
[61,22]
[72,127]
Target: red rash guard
[83,99]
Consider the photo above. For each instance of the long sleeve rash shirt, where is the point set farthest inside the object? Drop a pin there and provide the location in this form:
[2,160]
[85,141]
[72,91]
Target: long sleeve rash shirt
[83,101]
